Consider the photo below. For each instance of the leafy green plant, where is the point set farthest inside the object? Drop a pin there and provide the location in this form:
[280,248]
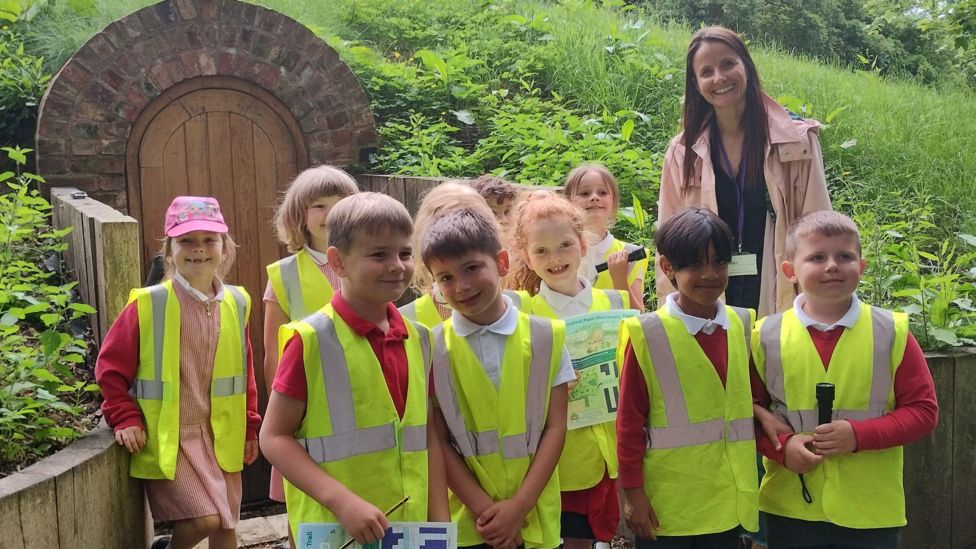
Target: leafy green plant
[45,387]
[634,225]
[22,82]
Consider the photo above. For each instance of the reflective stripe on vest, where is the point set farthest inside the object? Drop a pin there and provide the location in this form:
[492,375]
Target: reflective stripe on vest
[293,286]
[680,431]
[346,439]
[152,389]
[616,300]
[470,444]
[805,421]
[515,297]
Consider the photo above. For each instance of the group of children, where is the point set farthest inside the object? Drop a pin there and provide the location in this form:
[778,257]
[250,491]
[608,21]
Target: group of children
[473,425]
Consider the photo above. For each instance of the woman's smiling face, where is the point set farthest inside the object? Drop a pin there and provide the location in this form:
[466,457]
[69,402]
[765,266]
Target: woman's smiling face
[720,75]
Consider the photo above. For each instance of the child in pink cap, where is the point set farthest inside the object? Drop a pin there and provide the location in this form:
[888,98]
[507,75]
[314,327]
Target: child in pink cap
[177,378]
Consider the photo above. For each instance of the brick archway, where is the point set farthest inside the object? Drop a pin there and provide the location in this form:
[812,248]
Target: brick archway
[88,112]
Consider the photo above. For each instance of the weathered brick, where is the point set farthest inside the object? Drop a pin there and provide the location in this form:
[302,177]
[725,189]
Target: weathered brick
[186,9]
[208,9]
[311,121]
[112,183]
[248,13]
[75,74]
[206,63]
[50,145]
[245,38]
[151,90]
[288,59]
[101,47]
[97,164]
[99,94]
[125,65]
[113,146]
[267,76]
[135,95]
[191,37]
[175,69]
[261,47]
[50,163]
[190,61]
[51,124]
[225,63]
[112,79]
[267,20]
[85,147]
[228,35]
[341,138]
[336,120]
[132,26]
[84,130]
[165,13]
[160,77]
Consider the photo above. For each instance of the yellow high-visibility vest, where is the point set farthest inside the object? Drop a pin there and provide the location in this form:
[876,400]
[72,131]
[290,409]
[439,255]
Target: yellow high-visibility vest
[700,465]
[156,387]
[497,431]
[424,311]
[299,285]
[351,428]
[591,450]
[859,490]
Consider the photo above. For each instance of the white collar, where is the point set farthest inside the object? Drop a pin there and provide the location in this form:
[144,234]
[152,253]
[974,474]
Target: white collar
[505,325]
[696,324]
[847,321]
[603,246]
[318,257]
[218,287]
[559,301]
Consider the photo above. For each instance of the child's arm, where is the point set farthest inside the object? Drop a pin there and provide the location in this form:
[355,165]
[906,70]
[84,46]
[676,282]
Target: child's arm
[776,430]
[274,318]
[619,269]
[915,415]
[115,371]
[437,508]
[459,478]
[253,417]
[362,521]
[502,522]
[631,443]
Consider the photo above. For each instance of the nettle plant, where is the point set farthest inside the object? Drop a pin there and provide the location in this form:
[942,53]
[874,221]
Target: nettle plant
[913,267]
[45,386]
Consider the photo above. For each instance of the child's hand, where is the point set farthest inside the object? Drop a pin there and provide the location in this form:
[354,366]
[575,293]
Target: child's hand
[771,425]
[133,438]
[618,268]
[639,514]
[250,451]
[500,524]
[798,458]
[363,521]
[836,437]
[574,382]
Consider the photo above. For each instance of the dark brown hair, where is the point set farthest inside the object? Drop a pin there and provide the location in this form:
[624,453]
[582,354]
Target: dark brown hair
[685,236]
[698,112]
[458,233]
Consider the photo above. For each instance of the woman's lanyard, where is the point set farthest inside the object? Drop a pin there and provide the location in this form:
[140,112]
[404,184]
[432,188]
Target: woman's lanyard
[743,264]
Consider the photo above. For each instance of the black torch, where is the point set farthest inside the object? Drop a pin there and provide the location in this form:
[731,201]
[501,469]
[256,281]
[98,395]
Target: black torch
[825,402]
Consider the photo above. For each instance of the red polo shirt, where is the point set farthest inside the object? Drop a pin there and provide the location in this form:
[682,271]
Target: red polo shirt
[388,347]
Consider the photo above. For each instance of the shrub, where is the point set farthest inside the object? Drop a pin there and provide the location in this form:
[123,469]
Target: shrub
[45,387]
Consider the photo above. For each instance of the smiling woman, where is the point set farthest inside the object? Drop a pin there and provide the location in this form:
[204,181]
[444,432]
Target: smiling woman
[744,157]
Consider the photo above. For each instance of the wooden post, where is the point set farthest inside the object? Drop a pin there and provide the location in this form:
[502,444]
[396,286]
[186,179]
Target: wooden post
[102,254]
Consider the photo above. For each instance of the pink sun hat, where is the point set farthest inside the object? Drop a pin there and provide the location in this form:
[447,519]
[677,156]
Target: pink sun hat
[193,213]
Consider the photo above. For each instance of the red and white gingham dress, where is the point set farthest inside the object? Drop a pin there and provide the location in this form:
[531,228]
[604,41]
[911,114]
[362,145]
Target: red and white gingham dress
[200,488]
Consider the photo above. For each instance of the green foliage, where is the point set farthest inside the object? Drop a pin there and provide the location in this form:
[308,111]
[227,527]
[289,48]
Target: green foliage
[44,386]
[22,83]
[912,268]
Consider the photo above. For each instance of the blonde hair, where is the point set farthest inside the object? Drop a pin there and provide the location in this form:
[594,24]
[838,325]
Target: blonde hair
[536,206]
[438,201]
[368,214]
[291,217]
[823,222]
[575,179]
[230,254]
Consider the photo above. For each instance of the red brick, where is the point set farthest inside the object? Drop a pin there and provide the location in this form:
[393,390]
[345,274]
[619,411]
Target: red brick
[85,147]
[75,74]
[191,64]
[160,77]
[341,138]
[206,62]
[113,79]
[336,120]
[101,47]
[135,96]
[175,69]
[50,163]
[208,9]
[186,9]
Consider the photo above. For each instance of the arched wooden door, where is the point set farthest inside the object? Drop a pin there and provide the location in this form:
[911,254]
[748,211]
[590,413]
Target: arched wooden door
[229,139]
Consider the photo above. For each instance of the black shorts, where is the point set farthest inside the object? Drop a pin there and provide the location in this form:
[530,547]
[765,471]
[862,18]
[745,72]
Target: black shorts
[721,540]
[789,533]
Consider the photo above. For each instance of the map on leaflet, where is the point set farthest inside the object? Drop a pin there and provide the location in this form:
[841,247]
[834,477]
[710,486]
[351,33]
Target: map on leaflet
[591,340]
[400,535]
